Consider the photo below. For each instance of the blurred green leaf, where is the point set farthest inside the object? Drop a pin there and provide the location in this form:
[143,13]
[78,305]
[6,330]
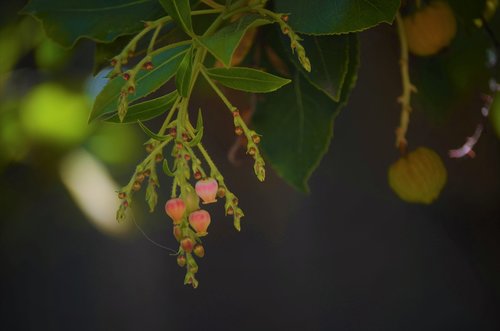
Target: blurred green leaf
[165,65]
[247,79]
[52,114]
[447,79]
[66,21]
[337,16]
[115,144]
[50,55]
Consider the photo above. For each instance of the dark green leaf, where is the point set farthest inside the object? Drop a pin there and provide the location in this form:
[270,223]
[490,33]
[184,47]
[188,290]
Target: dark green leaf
[329,56]
[66,21]
[153,135]
[183,76]
[247,79]
[146,110]
[165,65]
[296,123]
[337,16]
[223,43]
[180,11]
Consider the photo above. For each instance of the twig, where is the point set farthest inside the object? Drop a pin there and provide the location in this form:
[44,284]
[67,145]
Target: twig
[408,89]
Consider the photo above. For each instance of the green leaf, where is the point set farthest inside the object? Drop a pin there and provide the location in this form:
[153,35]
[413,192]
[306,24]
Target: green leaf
[66,21]
[337,16]
[199,131]
[146,110]
[153,135]
[330,58]
[247,79]
[223,43]
[165,65]
[296,123]
[183,76]
[166,169]
[199,121]
[180,11]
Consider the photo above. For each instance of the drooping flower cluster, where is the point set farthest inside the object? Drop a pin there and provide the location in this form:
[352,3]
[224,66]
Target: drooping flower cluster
[190,224]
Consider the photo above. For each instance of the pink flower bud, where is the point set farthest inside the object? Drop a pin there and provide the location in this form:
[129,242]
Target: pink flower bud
[199,221]
[207,190]
[175,208]
[177,232]
[187,244]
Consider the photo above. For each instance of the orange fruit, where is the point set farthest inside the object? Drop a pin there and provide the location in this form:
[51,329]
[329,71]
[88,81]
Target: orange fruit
[430,28]
[418,177]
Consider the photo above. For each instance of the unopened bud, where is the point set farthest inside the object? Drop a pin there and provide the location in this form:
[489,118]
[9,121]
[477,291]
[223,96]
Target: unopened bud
[207,189]
[177,232]
[199,250]
[221,192]
[175,209]
[187,244]
[181,261]
[199,221]
[197,175]
[238,130]
[136,186]
[140,177]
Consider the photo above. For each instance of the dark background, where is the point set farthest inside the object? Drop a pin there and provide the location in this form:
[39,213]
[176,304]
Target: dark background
[349,256]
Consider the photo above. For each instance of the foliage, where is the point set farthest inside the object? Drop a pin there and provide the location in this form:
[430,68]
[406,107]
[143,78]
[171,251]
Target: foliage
[303,58]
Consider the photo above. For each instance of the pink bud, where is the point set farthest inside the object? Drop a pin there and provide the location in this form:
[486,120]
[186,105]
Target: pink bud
[177,232]
[207,190]
[175,208]
[199,221]
[187,244]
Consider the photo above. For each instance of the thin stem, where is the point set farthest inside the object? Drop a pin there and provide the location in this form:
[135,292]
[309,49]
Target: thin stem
[153,38]
[212,4]
[228,104]
[217,90]
[169,116]
[408,88]
[174,188]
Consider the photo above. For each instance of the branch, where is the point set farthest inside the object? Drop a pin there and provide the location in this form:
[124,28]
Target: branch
[408,88]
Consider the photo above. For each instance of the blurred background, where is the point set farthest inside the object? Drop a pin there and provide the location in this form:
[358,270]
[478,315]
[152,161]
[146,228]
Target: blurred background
[348,256]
